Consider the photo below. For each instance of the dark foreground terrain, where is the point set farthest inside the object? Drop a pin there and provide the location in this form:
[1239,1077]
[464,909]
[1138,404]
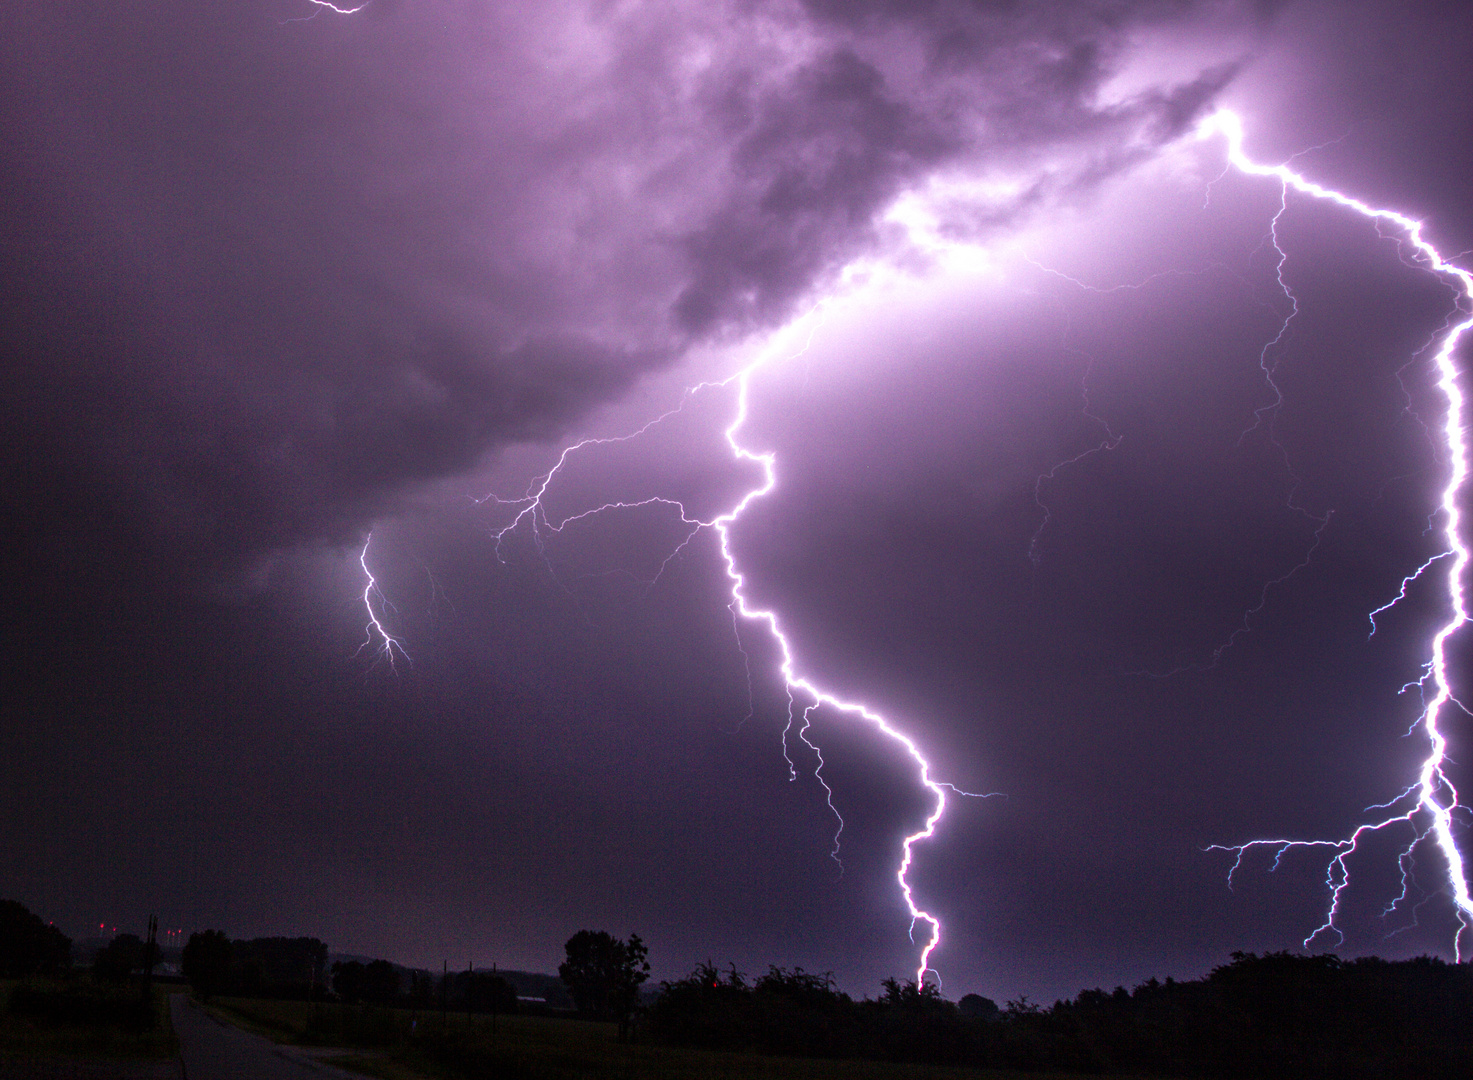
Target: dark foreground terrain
[1277,1017]
[400,1044]
[79,1029]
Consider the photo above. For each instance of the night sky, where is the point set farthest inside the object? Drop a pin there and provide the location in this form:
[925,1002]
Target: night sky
[276,278]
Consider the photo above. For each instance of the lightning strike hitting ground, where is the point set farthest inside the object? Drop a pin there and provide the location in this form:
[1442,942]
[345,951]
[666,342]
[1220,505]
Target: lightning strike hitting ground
[531,512]
[1425,809]
[818,695]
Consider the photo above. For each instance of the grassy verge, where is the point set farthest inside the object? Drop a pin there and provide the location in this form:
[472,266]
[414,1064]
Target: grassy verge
[398,1044]
[78,1017]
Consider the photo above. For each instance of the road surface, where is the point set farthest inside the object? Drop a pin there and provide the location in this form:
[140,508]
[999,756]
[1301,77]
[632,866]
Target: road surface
[213,1050]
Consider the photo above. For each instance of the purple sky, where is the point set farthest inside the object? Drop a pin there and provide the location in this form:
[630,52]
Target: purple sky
[275,277]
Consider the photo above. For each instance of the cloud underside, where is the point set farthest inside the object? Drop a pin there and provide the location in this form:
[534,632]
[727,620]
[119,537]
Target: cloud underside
[265,277]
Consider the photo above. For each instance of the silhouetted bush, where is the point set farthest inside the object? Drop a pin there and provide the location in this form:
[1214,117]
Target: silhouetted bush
[977,1007]
[914,1023]
[798,1013]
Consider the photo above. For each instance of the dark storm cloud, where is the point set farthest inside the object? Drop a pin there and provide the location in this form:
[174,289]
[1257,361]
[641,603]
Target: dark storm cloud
[263,280]
[263,277]
[818,156]
[818,160]
[236,311]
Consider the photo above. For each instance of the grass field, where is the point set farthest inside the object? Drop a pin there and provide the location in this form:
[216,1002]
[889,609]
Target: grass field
[398,1044]
[41,1035]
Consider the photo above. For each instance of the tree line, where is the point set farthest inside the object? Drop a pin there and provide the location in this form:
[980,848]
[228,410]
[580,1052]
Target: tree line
[29,946]
[298,968]
[602,975]
[40,955]
[1282,1015]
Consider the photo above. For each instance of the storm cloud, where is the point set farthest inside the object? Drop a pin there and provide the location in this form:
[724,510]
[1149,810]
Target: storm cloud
[1057,490]
[264,276]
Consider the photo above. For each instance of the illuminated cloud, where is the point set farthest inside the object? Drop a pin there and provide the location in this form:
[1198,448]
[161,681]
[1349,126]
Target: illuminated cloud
[271,282]
[270,275]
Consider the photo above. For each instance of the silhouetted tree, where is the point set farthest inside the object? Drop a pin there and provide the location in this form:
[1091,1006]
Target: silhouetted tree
[380,982]
[120,957]
[915,1023]
[421,989]
[907,995]
[604,974]
[348,980]
[977,1007]
[488,992]
[783,1012]
[1276,1017]
[798,1012]
[28,946]
[709,1008]
[206,962]
[280,966]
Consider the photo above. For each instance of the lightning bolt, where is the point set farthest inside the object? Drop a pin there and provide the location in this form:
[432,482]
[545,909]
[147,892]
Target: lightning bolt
[384,644]
[319,6]
[817,772]
[531,514]
[1426,807]
[339,9]
[1104,446]
[798,683]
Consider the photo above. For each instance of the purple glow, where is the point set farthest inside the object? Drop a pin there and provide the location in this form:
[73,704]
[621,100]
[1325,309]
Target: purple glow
[1431,811]
[290,286]
[531,511]
[384,644]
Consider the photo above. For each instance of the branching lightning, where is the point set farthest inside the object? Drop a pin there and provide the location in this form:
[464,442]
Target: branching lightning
[817,771]
[376,637]
[319,6]
[1105,445]
[340,9]
[797,682]
[1424,809]
[531,514]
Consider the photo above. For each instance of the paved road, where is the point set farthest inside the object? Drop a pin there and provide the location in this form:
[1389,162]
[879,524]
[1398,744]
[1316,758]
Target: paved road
[213,1050]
